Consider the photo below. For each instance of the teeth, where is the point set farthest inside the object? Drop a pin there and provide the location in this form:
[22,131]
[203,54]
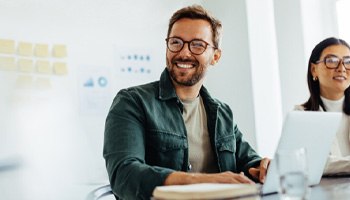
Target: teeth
[184,66]
[339,78]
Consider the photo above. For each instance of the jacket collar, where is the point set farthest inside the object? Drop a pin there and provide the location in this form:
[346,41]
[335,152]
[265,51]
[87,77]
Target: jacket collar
[166,87]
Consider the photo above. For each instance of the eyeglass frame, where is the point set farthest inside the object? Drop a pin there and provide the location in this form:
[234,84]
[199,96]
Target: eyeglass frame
[341,60]
[189,46]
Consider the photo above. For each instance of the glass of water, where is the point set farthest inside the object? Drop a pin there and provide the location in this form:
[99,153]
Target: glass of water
[292,169]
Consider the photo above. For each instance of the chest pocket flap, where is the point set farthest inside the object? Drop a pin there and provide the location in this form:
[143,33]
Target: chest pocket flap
[164,141]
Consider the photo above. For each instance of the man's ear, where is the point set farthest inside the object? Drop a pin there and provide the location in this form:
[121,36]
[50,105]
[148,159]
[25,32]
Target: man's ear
[216,57]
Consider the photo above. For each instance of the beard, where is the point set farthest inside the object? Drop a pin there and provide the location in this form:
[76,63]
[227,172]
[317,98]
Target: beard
[184,78]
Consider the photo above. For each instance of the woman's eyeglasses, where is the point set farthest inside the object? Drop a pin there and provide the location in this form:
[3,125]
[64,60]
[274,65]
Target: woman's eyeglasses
[332,62]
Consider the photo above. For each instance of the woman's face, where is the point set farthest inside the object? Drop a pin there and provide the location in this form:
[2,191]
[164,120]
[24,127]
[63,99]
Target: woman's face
[333,82]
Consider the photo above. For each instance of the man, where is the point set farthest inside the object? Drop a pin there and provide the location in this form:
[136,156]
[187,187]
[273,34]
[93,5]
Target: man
[171,131]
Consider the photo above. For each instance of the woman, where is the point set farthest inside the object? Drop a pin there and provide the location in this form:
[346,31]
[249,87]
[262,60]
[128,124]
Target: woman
[328,79]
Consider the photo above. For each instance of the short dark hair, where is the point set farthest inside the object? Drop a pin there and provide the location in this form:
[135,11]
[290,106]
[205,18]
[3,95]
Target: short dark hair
[198,12]
[314,102]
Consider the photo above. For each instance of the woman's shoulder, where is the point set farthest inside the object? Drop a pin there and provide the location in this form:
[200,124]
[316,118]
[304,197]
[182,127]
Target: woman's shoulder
[299,107]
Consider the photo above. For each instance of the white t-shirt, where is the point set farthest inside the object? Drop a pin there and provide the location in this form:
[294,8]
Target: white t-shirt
[201,155]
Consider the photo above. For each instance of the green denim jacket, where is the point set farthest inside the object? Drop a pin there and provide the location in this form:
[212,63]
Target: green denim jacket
[145,138]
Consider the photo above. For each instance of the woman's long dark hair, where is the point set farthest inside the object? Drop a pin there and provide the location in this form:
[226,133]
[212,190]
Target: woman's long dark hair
[315,101]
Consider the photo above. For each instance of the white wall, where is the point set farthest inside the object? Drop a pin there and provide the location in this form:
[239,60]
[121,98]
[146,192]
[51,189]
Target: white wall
[230,79]
[58,146]
[291,53]
[319,20]
[265,75]
[342,7]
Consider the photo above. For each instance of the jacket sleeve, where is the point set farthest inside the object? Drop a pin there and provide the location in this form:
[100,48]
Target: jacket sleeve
[246,155]
[124,151]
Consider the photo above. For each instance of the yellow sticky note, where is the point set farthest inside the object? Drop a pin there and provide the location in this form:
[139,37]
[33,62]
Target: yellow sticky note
[43,66]
[42,83]
[42,50]
[25,49]
[25,65]
[7,63]
[59,51]
[7,46]
[24,81]
[60,68]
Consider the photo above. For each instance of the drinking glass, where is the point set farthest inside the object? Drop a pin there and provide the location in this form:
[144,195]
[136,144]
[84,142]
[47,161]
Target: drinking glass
[292,169]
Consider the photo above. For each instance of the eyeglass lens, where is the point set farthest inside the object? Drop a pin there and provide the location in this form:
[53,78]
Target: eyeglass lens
[333,62]
[196,46]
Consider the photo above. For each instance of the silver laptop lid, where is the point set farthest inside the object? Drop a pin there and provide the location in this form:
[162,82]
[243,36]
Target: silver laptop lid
[313,130]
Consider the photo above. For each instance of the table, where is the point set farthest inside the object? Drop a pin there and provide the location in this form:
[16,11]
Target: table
[337,188]
[330,188]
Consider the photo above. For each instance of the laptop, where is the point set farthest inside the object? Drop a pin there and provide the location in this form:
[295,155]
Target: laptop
[310,129]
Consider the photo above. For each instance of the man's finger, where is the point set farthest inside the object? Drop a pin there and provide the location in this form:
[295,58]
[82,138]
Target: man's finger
[264,164]
[244,179]
[254,172]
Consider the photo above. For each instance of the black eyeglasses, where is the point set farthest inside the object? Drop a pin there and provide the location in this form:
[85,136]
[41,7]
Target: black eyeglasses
[196,46]
[332,62]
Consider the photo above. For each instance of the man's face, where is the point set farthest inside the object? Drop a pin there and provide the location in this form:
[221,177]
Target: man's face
[186,68]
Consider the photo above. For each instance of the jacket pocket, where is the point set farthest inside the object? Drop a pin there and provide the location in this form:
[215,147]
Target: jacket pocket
[227,146]
[166,149]
[226,149]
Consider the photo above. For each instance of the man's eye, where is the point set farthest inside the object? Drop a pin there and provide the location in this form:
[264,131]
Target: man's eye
[198,44]
[174,42]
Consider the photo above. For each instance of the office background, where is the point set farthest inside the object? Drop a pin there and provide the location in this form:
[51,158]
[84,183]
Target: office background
[62,62]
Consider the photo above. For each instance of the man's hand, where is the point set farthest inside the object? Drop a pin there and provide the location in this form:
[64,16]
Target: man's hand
[183,178]
[259,173]
[230,177]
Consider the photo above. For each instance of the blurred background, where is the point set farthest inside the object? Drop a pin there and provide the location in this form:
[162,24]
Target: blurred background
[62,62]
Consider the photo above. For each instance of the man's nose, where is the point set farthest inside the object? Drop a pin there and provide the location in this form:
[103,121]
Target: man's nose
[185,51]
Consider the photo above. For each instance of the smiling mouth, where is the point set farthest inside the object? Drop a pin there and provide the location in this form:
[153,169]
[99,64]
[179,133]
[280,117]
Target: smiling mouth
[185,66]
[185,63]
[340,78]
